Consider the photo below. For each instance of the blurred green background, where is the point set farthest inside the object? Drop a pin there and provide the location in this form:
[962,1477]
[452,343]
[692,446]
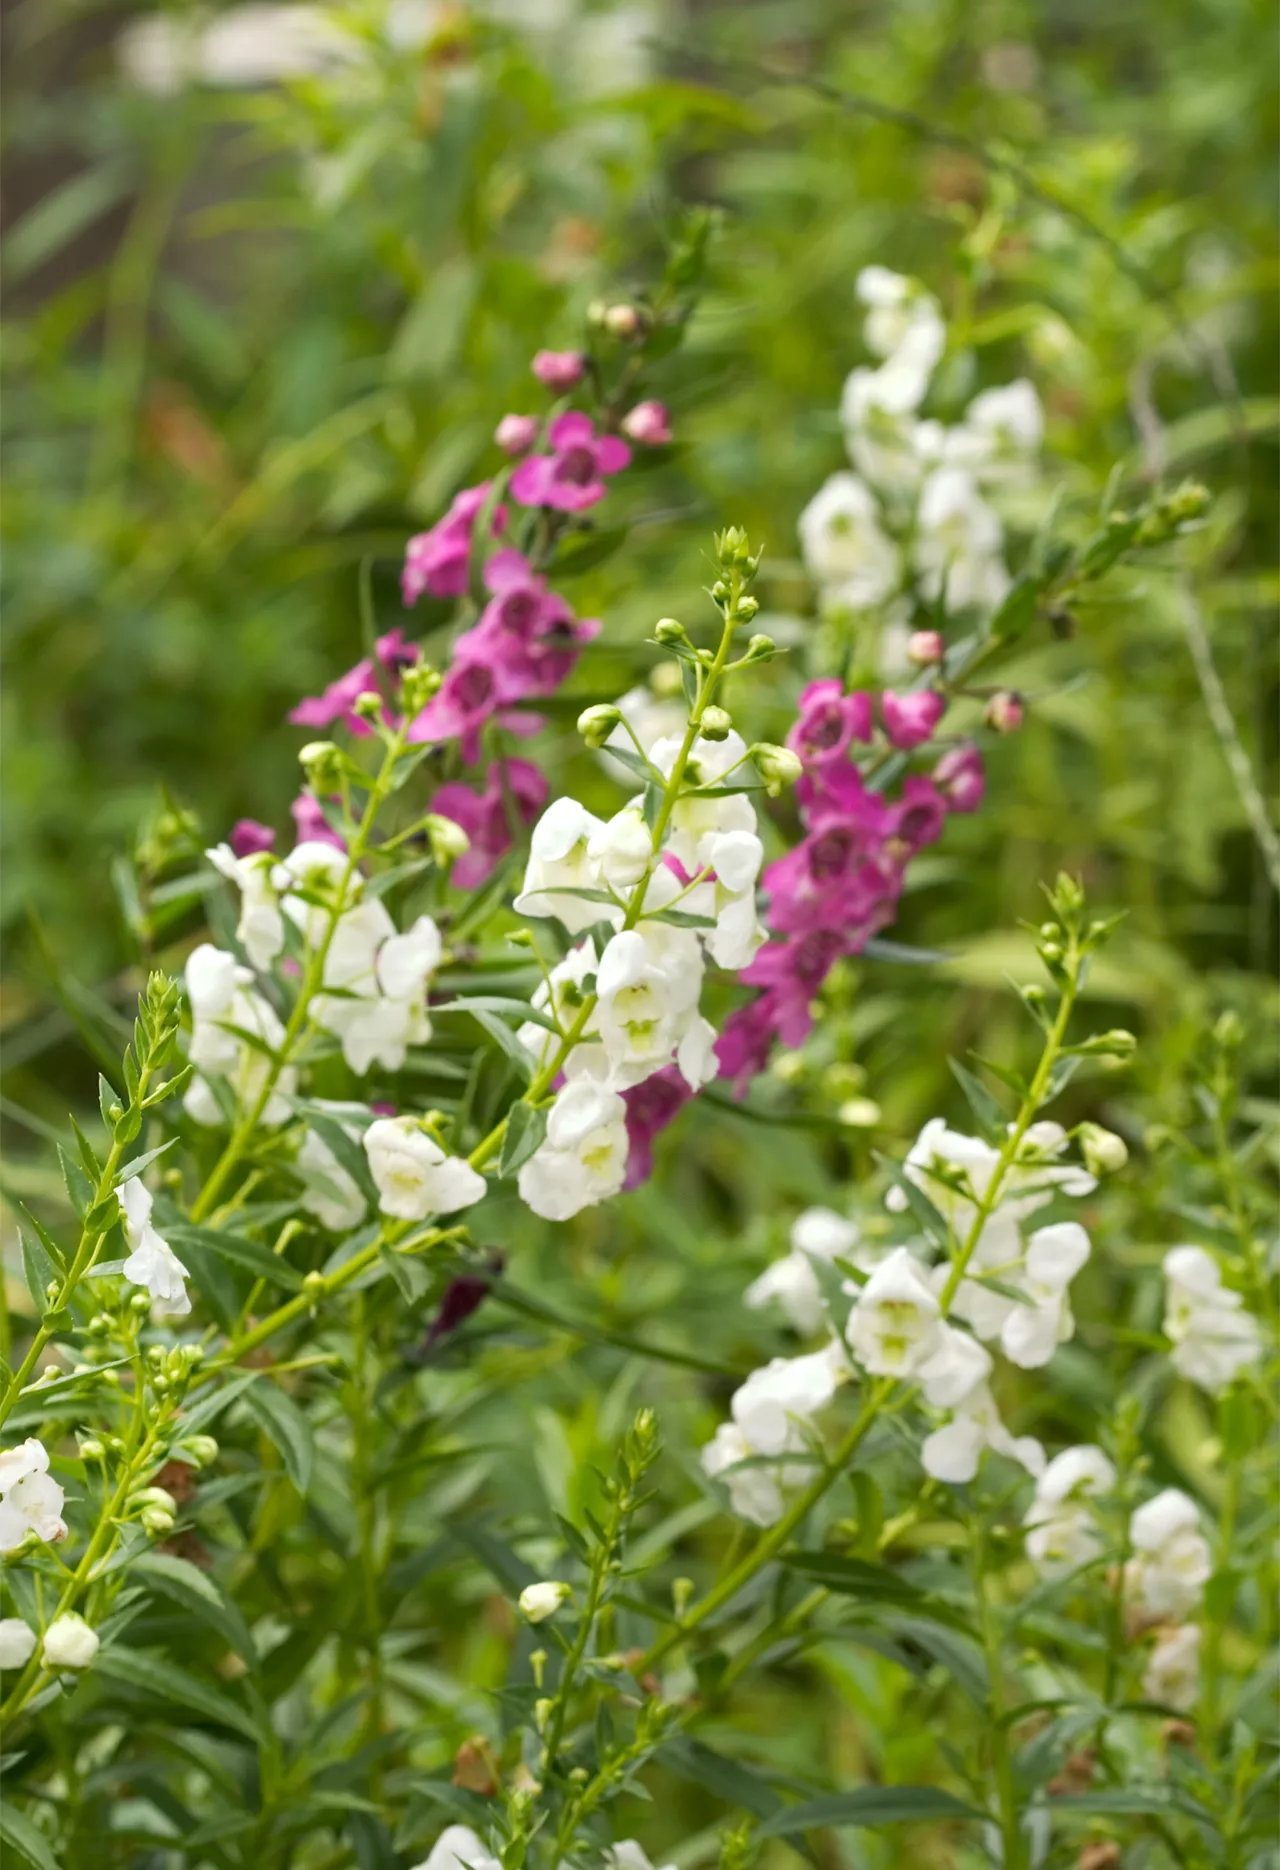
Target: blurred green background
[257,332]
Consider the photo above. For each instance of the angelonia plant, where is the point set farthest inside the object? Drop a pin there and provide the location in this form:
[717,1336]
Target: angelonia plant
[457,992]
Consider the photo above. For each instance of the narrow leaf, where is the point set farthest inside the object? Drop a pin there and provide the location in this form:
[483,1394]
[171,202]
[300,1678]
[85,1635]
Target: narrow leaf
[283,1423]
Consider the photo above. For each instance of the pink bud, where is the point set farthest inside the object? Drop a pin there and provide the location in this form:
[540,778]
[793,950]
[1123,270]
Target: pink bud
[515,435]
[910,719]
[559,370]
[1004,712]
[926,647]
[248,837]
[960,779]
[649,424]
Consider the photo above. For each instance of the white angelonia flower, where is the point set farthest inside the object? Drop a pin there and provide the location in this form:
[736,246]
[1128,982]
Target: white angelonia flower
[755,1493]
[560,861]
[414,1175]
[260,930]
[1004,427]
[309,881]
[459,1848]
[1032,1331]
[69,1643]
[622,849]
[952,1452]
[957,1365]
[817,1234]
[1173,1672]
[695,818]
[903,322]
[650,717]
[648,984]
[380,1007]
[584,1157]
[1214,1338]
[959,543]
[30,1498]
[729,897]
[894,1326]
[845,548]
[571,982]
[1171,1562]
[1062,1532]
[17,1643]
[152,1262]
[540,1601]
[222,998]
[770,1414]
[330,1192]
[628,1855]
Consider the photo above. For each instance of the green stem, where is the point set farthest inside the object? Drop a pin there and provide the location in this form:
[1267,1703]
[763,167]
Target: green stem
[1014,1854]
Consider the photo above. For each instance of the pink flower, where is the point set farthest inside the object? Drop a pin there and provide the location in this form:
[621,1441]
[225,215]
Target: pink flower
[312,825]
[1004,712]
[651,1106]
[437,560]
[910,719]
[570,478]
[515,435]
[485,817]
[649,424]
[829,720]
[925,647]
[340,697]
[960,778]
[248,837]
[559,370]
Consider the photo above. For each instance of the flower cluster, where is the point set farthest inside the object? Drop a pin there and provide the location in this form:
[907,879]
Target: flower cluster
[1214,1338]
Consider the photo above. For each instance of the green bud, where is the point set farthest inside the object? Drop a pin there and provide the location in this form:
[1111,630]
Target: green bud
[315,1284]
[716,724]
[140,1304]
[760,648]
[1229,1030]
[1116,1044]
[747,608]
[157,1521]
[668,630]
[777,766]
[203,1449]
[720,591]
[92,1449]
[154,1496]
[368,705]
[597,723]
[622,321]
[542,1712]
[448,840]
[681,1593]
[537,1662]
[418,683]
[1104,1152]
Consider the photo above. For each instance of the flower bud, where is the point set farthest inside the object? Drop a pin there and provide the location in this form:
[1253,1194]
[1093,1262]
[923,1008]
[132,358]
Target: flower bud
[368,706]
[720,591]
[540,1601]
[69,1643]
[537,1662]
[542,1712]
[622,321]
[559,370]
[1114,1044]
[324,765]
[649,424]
[733,546]
[777,766]
[1004,712]
[1104,1152]
[315,1284]
[925,647]
[140,1304]
[1229,1029]
[747,608]
[597,723]
[448,840]
[417,685]
[668,630]
[203,1449]
[157,1521]
[515,435]
[91,1449]
[760,648]
[716,723]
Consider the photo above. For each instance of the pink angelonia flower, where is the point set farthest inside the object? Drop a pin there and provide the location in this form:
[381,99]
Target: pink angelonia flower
[910,719]
[248,837]
[919,817]
[340,697]
[571,477]
[559,370]
[476,687]
[515,435]
[649,424]
[829,719]
[960,778]
[311,825]
[485,816]
[651,1106]
[438,560]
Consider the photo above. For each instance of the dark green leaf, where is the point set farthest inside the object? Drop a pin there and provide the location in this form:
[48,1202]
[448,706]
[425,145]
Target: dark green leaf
[161,1679]
[992,1121]
[726,1779]
[18,1831]
[283,1423]
[526,1127]
[177,1578]
[251,1254]
[871,1805]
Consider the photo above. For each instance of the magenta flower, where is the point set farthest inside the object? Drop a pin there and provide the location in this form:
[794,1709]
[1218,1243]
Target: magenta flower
[515,435]
[829,719]
[570,478]
[559,370]
[248,837]
[485,816]
[910,719]
[340,697]
[311,825]
[438,560]
[651,1106]
[960,778]
[649,424]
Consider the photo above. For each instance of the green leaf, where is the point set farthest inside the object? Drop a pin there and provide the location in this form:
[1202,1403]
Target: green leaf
[106,1098]
[504,1039]
[283,1423]
[137,1164]
[347,1152]
[162,1679]
[46,1239]
[500,1003]
[583,551]
[870,1805]
[79,1191]
[59,216]
[933,1223]
[992,1121]
[194,1589]
[855,1577]
[38,1269]
[1018,611]
[726,1779]
[17,1830]
[526,1127]
[902,953]
[251,1254]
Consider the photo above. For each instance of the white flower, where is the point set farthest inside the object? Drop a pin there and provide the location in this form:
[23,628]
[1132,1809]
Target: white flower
[560,861]
[955,1367]
[540,1601]
[69,1643]
[729,897]
[584,1157]
[1005,426]
[260,930]
[755,1492]
[770,1412]
[17,1643]
[222,998]
[414,1176]
[310,882]
[1214,1338]
[571,980]
[818,1233]
[380,1008]
[459,1848]
[845,548]
[1171,1562]
[648,984]
[650,717]
[628,1855]
[1062,1532]
[1173,1672]
[696,818]
[330,1193]
[959,542]
[952,1452]
[152,1262]
[1032,1331]
[903,322]
[622,849]
[30,1498]
[893,1327]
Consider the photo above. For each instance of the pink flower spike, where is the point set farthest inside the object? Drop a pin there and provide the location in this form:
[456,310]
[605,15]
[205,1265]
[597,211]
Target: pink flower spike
[649,424]
[559,370]
[828,720]
[960,778]
[515,435]
[312,825]
[248,837]
[910,719]
[571,477]
[485,818]
[438,560]
[651,1106]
